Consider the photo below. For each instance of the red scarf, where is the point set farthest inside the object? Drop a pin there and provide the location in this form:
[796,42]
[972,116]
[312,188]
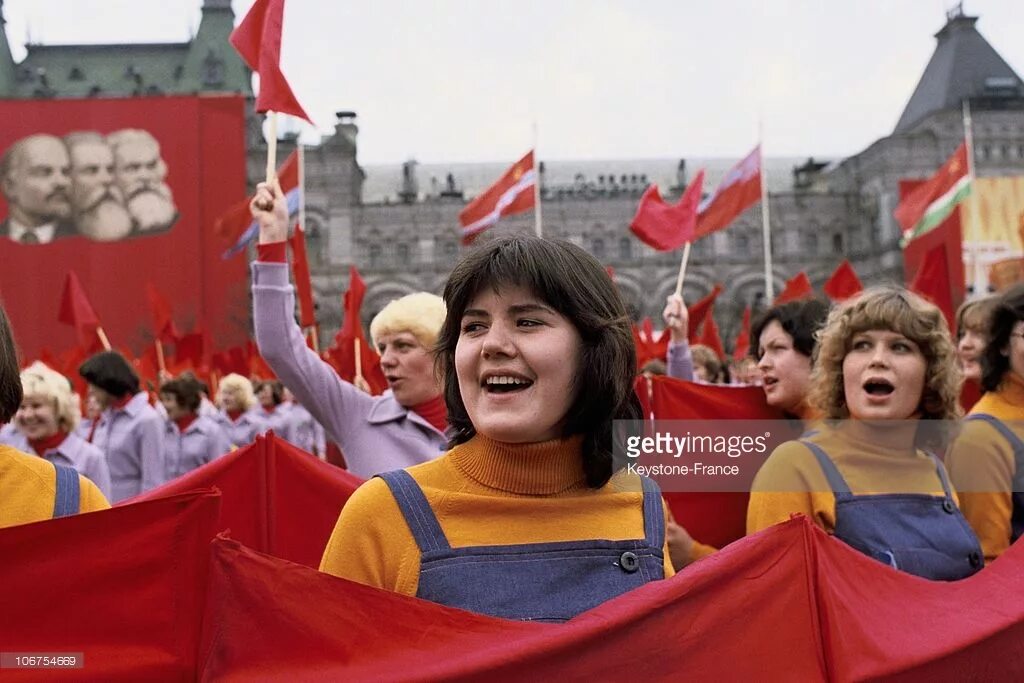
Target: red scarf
[235,414]
[433,411]
[40,446]
[184,421]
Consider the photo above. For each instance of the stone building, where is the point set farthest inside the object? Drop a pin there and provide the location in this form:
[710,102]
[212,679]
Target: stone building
[820,214]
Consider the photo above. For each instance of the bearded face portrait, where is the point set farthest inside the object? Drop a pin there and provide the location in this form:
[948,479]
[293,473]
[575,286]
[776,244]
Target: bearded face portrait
[139,173]
[97,202]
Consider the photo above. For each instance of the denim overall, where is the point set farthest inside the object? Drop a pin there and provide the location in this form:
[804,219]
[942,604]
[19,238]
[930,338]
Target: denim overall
[1017,517]
[913,532]
[65,499]
[535,581]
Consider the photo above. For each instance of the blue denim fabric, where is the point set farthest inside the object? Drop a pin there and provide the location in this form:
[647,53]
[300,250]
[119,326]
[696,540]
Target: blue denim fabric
[1017,494]
[550,582]
[65,498]
[920,534]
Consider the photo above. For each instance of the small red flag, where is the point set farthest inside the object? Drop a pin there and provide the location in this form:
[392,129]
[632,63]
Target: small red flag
[797,287]
[160,309]
[843,283]
[932,282]
[258,41]
[666,227]
[699,311]
[709,335]
[236,224]
[513,193]
[75,310]
[300,272]
[741,347]
[739,190]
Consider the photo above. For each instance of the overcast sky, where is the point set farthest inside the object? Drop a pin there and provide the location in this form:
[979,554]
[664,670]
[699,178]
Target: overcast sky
[450,81]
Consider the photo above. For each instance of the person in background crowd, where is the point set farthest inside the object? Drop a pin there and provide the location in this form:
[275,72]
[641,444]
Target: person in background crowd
[402,427]
[707,366]
[304,431]
[783,344]
[885,367]
[972,327]
[190,440]
[746,372]
[45,425]
[240,416]
[986,461]
[270,394]
[94,407]
[130,432]
[524,518]
[679,358]
[33,489]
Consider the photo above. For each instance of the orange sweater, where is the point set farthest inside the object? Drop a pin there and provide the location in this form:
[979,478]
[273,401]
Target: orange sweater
[982,465]
[28,485]
[483,493]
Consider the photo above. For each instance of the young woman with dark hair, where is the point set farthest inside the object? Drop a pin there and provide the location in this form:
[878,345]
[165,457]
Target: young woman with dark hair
[190,439]
[986,461]
[33,489]
[525,516]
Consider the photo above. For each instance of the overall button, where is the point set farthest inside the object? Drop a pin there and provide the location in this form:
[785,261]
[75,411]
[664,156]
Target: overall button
[629,562]
[948,506]
[975,559]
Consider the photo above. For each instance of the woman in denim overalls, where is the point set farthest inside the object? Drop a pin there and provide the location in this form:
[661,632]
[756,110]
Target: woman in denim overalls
[524,517]
[885,368]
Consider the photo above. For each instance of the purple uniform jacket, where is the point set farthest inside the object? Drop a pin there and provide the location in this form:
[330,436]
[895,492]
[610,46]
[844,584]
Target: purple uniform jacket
[200,443]
[304,431]
[243,431]
[132,439]
[74,452]
[375,433]
[680,361]
[279,420]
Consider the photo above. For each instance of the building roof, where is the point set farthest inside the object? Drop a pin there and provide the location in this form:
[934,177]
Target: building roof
[964,65]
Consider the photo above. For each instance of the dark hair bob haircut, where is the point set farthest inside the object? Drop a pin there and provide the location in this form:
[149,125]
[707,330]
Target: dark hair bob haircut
[186,390]
[109,371]
[1009,308]
[799,319]
[10,379]
[576,285]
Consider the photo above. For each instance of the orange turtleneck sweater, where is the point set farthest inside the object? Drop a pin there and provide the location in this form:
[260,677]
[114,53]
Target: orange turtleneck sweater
[982,466]
[484,493]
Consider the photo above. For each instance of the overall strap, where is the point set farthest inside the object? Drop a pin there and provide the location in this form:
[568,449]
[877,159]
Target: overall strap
[65,499]
[417,511]
[654,514]
[839,486]
[1015,443]
[943,477]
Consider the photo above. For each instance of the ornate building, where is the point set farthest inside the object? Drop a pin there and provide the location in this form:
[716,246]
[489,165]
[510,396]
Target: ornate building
[822,214]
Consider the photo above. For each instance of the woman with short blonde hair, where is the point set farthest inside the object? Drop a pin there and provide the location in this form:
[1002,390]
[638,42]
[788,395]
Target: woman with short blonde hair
[239,415]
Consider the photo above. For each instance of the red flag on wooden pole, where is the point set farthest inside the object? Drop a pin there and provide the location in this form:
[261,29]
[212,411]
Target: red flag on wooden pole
[75,310]
[797,287]
[843,283]
[303,282]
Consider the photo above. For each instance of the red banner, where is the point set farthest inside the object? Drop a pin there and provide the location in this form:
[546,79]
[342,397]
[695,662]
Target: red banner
[123,192]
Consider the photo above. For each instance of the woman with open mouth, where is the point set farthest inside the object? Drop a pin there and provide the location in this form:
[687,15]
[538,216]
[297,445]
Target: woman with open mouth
[986,461]
[784,349]
[523,518]
[885,369]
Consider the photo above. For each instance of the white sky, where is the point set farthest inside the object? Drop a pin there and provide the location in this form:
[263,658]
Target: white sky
[463,80]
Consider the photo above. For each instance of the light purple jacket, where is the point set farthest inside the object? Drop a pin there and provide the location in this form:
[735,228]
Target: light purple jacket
[74,452]
[304,431]
[375,433]
[202,441]
[680,361]
[132,439]
[243,431]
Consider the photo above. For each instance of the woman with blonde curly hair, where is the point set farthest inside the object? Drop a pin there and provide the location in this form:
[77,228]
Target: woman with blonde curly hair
[240,415]
[885,363]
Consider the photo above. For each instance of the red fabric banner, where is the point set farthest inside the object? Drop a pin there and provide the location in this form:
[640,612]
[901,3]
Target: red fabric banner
[192,152]
[125,586]
[666,227]
[932,282]
[947,235]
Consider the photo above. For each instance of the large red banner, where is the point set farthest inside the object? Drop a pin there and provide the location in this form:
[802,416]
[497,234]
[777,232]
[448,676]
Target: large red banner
[124,193]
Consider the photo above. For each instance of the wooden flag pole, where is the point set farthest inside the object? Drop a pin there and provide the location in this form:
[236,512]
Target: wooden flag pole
[160,355]
[272,148]
[103,338]
[682,269]
[359,360]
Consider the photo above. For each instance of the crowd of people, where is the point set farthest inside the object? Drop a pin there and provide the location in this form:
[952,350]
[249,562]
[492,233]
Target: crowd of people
[491,484]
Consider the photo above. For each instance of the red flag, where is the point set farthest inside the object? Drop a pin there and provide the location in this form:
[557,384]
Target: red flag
[843,283]
[709,335]
[932,282]
[647,347]
[75,310]
[237,226]
[300,272]
[741,347]
[666,227]
[189,349]
[739,189]
[512,194]
[797,287]
[698,311]
[160,309]
[258,41]
[342,354]
[933,200]
[352,324]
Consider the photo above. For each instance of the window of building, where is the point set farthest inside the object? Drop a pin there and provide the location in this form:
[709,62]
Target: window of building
[811,242]
[625,249]
[76,74]
[837,243]
[375,255]
[403,255]
[597,248]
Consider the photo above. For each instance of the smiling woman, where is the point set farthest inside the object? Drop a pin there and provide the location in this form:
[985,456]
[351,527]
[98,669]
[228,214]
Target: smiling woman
[885,363]
[523,518]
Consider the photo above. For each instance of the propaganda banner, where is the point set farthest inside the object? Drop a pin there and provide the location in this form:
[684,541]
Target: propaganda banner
[124,193]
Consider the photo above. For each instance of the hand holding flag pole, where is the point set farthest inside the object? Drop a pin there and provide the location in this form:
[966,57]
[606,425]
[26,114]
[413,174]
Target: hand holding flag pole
[358,380]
